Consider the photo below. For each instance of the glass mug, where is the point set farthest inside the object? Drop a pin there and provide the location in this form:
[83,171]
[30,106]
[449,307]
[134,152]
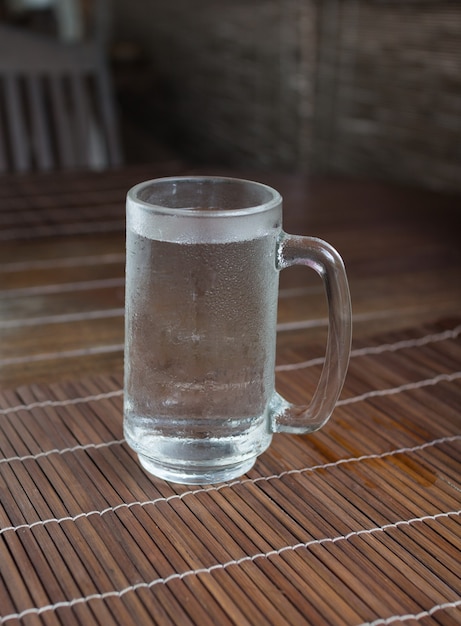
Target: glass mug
[202,264]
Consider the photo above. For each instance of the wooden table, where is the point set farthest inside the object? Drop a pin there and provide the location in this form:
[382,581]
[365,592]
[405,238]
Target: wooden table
[358,523]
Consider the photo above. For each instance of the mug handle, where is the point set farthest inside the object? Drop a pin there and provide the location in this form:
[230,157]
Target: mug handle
[326,261]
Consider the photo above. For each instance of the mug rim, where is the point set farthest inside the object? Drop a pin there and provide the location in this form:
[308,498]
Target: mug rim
[274,201]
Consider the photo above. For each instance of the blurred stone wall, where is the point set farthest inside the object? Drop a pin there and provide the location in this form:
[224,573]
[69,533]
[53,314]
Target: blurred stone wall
[389,93]
[238,75]
[354,87]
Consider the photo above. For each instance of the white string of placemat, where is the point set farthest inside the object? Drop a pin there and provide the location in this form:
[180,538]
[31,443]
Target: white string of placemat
[75,228]
[223,566]
[67,402]
[65,354]
[416,342]
[370,350]
[59,288]
[364,396]
[390,391]
[64,318]
[61,451]
[119,312]
[79,352]
[78,261]
[384,621]
[215,488]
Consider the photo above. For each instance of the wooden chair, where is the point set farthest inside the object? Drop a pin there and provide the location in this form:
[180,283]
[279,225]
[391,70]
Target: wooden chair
[56,104]
[71,20]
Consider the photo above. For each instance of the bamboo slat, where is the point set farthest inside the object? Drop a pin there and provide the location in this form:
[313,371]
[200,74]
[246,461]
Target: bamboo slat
[358,523]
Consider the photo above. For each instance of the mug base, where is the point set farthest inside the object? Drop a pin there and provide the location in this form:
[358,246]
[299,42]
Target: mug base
[196,475]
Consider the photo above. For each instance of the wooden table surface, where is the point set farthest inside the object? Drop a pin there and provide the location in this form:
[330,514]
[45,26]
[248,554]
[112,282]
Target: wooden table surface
[359,523]
[62,264]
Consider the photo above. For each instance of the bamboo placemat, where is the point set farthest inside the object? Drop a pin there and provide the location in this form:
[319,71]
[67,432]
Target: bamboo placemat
[73,203]
[358,523]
